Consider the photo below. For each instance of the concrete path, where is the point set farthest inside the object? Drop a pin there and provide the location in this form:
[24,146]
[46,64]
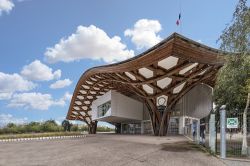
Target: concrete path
[107,150]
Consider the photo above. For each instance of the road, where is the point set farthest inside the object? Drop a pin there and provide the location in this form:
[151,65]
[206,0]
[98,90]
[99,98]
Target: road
[108,150]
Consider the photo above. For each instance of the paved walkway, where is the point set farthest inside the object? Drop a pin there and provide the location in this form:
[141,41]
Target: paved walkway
[107,150]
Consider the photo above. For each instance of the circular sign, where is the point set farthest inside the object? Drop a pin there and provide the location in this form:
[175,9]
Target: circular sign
[161,101]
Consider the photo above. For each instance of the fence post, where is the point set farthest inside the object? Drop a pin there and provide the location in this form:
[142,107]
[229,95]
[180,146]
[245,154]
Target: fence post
[223,132]
[212,132]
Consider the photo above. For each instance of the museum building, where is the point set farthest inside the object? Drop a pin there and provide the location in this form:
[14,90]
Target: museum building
[165,90]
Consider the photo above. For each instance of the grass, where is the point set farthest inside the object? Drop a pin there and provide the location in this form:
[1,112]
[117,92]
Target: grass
[36,135]
[181,147]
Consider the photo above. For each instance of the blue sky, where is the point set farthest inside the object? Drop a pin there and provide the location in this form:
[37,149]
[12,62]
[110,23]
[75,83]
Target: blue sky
[45,45]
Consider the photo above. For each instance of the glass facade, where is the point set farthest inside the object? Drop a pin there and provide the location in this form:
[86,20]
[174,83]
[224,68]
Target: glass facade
[131,128]
[147,127]
[173,126]
[102,109]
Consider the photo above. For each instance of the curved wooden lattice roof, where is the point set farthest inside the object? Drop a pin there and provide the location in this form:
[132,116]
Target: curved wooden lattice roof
[169,70]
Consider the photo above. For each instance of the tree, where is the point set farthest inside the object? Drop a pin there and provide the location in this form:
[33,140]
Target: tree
[233,80]
[244,149]
[50,126]
[52,122]
[33,127]
[66,125]
[11,125]
[231,86]
[74,128]
[12,128]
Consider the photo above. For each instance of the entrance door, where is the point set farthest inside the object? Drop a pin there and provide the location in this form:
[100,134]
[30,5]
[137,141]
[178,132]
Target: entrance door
[173,126]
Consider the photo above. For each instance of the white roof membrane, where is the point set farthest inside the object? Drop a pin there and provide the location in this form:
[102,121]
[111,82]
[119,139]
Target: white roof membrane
[146,72]
[186,69]
[168,62]
[163,83]
[131,76]
[178,88]
[147,89]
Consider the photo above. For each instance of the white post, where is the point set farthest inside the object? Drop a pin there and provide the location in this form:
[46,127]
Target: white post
[212,133]
[142,127]
[198,131]
[181,125]
[192,129]
[223,132]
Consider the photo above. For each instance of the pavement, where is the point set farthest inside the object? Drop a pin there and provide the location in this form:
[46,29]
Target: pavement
[109,150]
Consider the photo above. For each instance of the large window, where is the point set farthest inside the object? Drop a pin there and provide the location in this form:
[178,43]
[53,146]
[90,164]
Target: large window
[102,109]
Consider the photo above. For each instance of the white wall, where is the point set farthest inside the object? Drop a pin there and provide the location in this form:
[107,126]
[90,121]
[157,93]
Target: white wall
[121,106]
[103,99]
[126,107]
[197,103]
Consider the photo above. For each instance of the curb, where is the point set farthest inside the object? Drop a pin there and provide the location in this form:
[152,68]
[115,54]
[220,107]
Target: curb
[41,138]
[235,159]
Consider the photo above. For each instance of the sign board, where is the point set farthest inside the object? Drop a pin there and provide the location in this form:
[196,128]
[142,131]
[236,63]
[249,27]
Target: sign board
[232,123]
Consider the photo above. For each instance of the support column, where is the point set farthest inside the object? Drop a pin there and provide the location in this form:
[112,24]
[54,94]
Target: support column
[118,127]
[167,123]
[223,132]
[212,132]
[121,129]
[164,122]
[155,117]
[92,127]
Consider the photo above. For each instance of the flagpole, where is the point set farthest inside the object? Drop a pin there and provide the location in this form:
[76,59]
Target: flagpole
[180,14]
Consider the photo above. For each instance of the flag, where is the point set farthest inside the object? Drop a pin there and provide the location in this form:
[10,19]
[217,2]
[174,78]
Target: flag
[178,20]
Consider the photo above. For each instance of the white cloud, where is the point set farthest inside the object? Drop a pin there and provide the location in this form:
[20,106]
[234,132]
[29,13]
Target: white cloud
[89,43]
[67,96]
[39,72]
[144,33]
[37,101]
[10,83]
[5,95]
[199,41]
[61,84]
[6,6]
[8,118]
[59,120]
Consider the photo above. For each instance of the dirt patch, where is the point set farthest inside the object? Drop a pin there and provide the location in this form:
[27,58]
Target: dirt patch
[180,147]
